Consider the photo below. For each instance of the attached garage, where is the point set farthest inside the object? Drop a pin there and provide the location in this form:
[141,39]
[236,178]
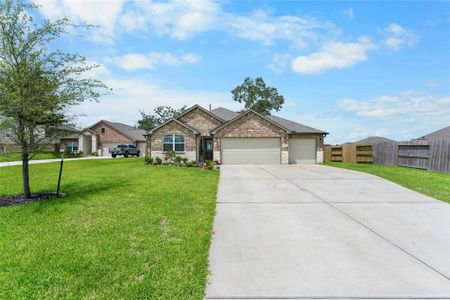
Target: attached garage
[105,148]
[251,151]
[302,151]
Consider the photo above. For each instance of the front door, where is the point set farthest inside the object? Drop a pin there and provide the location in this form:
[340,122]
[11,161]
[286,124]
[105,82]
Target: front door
[206,149]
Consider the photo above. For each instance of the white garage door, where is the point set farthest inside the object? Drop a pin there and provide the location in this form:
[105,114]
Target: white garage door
[302,151]
[141,147]
[105,148]
[251,151]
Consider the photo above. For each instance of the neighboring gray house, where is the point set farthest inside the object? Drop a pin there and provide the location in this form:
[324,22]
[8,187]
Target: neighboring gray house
[441,134]
[374,139]
[237,138]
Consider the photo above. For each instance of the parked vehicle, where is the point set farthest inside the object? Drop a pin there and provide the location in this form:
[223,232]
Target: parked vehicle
[124,150]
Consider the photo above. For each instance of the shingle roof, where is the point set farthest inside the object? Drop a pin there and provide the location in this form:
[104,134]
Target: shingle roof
[194,130]
[373,139]
[441,134]
[130,131]
[224,114]
[294,127]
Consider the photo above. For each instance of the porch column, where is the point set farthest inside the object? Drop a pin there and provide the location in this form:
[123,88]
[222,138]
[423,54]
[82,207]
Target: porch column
[94,143]
[80,143]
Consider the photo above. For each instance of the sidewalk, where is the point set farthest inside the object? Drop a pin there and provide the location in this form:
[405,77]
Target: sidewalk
[44,161]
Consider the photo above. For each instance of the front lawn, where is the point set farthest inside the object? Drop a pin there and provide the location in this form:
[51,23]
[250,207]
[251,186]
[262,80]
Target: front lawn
[434,184]
[123,230]
[16,156]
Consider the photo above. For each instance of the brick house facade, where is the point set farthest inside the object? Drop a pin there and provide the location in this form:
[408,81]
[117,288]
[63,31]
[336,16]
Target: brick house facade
[204,131]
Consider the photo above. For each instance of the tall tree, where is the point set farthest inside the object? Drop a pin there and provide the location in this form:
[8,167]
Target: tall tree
[257,96]
[37,86]
[160,115]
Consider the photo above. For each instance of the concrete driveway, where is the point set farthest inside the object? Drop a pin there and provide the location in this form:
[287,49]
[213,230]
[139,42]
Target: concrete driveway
[316,232]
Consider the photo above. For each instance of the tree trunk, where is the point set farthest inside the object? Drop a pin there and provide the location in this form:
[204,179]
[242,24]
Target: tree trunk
[25,175]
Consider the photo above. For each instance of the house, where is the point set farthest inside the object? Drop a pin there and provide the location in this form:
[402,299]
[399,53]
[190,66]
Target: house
[103,135]
[441,134]
[374,139]
[237,138]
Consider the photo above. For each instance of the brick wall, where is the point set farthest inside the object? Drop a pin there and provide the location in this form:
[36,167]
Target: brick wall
[200,120]
[156,140]
[252,125]
[111,135]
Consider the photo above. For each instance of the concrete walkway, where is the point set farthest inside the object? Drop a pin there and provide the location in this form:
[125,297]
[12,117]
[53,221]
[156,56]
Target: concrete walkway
[45,161]
[316,232]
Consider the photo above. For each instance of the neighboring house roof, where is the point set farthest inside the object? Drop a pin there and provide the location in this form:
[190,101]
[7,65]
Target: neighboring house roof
[127,130]
[292,126]
[245,113]
[373,139]
[194,130]
[441,134]
[70,137]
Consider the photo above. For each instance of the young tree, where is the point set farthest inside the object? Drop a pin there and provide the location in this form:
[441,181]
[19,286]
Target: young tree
[256,95]
[160,115]
[37,85]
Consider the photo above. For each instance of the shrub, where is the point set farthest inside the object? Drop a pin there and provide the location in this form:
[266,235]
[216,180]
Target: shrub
[178,159]
[185,160]
[148,160]
[190,163]
[209,165]
[169,156]
[157,161]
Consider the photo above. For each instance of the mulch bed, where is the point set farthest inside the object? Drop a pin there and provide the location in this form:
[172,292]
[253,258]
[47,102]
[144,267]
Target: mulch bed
[20,199]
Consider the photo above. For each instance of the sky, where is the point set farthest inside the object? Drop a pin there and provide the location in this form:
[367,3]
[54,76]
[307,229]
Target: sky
[353,69]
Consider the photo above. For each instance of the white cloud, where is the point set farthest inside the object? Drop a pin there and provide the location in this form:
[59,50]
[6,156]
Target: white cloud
[94,12]
[336,55]
[262,26]
[177,18]
[280,62]
[409,106]
[136,61]
[349,13]
[134,94]
[396,37]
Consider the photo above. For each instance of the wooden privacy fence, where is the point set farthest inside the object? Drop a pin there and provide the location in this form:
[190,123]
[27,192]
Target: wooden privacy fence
[427,155]
[349,153]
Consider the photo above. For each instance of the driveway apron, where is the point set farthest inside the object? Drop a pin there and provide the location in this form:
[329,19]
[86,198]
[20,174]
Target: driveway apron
[317,232]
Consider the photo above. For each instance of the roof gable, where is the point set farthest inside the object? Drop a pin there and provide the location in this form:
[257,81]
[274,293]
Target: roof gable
[215,130]
[202,109]
[194,130]
[131,132]
[443,133]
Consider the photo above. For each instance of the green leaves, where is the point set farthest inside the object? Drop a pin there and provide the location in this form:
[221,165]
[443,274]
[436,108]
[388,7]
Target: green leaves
[258,96]
[38,86]
[161,114]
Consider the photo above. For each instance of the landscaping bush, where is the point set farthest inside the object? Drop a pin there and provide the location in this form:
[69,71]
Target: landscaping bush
[169,156]
[178,159]
[209,165]
[148,160]
[157,161]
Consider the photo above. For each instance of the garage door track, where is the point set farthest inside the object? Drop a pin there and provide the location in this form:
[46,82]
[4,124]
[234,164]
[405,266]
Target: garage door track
[316,232]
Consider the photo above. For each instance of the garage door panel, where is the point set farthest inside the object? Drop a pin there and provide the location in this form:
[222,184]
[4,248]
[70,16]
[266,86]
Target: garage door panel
[251,151]
[302,151]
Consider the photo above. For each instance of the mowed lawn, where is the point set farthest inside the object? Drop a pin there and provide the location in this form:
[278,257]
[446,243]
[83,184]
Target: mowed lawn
[123,230]
[434,184]
[15,156]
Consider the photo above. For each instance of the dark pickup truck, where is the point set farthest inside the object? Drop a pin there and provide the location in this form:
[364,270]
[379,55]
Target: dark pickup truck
[124,150]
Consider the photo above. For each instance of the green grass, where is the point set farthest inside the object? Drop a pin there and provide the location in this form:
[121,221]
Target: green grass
[123,230]
[16,156]
[434,184]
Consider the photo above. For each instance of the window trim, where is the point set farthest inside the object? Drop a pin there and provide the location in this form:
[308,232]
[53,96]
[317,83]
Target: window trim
[173,143]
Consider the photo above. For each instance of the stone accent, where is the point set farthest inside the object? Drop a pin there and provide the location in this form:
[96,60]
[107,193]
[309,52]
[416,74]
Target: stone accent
[284,157]
[191,155]
[200,120]
[216,156]
[156,139]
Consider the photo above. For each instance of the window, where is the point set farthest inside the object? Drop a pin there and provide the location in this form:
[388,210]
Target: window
[103,130]
[173,142]
[72,146]
[131,147]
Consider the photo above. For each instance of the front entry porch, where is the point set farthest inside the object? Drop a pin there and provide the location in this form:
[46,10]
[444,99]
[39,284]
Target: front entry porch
[205,149]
